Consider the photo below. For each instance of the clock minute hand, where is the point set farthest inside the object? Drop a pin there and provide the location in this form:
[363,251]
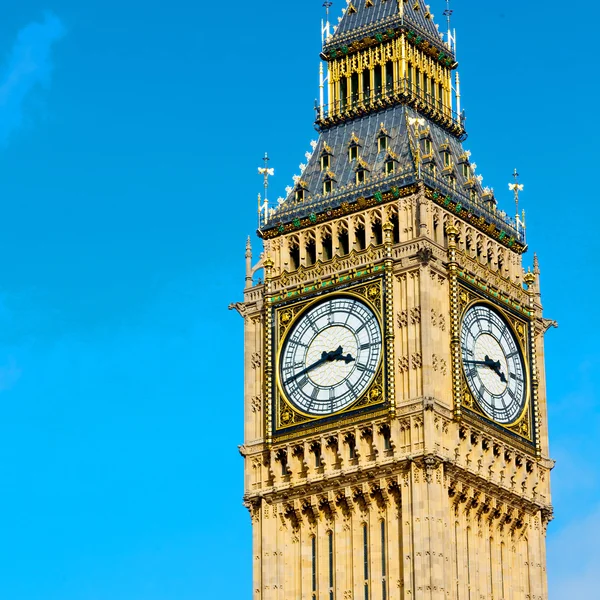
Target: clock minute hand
[485,363]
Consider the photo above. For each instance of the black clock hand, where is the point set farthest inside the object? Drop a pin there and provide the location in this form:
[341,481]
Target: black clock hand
[493,365]
[500,374]
[325,357]
[347,359]
[478,362]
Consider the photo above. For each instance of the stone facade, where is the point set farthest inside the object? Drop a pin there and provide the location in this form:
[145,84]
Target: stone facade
[451,506]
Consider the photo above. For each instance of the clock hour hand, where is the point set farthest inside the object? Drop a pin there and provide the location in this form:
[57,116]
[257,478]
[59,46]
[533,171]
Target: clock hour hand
[325,357]
[500,374]
[347,359]
[494,365]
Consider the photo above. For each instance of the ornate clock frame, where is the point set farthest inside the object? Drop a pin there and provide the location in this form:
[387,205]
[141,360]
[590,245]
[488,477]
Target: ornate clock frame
[287,421]
[464,292]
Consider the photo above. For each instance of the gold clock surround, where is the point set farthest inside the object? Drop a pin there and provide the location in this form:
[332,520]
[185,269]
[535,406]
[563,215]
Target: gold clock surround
[524,424]
[289,418]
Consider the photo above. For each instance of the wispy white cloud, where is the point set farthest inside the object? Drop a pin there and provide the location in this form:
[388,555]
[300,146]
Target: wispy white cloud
[29,65]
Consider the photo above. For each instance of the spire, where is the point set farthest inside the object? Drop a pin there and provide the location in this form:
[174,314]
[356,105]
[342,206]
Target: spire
[367,17]
[392,121]
[248,263]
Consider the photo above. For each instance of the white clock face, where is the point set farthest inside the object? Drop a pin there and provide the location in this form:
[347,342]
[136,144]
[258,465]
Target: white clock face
[330,356]
[493,364]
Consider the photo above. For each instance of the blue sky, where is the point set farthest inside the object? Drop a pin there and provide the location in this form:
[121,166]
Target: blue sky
[130,134]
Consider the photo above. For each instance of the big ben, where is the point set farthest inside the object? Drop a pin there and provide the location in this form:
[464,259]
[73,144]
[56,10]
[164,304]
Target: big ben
[395,439]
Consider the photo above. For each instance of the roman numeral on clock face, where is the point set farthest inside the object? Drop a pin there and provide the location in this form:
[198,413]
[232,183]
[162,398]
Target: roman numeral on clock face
[331,355]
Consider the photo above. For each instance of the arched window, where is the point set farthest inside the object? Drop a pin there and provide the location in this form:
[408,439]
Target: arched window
[311,252]
[377,233]
[396,230]
[360,236]
[327,246]
[343,242]
[294,254]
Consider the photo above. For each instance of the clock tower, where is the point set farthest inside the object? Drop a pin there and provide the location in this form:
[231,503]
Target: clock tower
[395,438]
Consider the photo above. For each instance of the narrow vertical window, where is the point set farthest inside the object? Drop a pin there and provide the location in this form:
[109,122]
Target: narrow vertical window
[383,563]
[378,78]
[366,86]
[389,77]
[331,582]
[314,566]
[317,456]
[366,559]
[327,248]
[354,86]
[343,92]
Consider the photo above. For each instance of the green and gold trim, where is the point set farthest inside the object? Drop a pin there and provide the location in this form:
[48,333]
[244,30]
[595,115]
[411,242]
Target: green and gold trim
[289,420]
[463,296]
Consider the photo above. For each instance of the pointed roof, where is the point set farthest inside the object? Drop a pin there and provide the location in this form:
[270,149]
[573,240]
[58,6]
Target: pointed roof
[363,18]
[403,141]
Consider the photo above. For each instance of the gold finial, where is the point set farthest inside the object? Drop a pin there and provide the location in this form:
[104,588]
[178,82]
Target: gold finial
[452,230]
[529,279]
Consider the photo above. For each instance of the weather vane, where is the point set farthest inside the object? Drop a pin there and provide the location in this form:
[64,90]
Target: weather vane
[517,187]
[448,13]
[266,172]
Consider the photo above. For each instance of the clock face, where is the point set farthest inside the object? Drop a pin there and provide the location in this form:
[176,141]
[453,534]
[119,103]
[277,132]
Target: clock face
[330,356]
[493,364]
